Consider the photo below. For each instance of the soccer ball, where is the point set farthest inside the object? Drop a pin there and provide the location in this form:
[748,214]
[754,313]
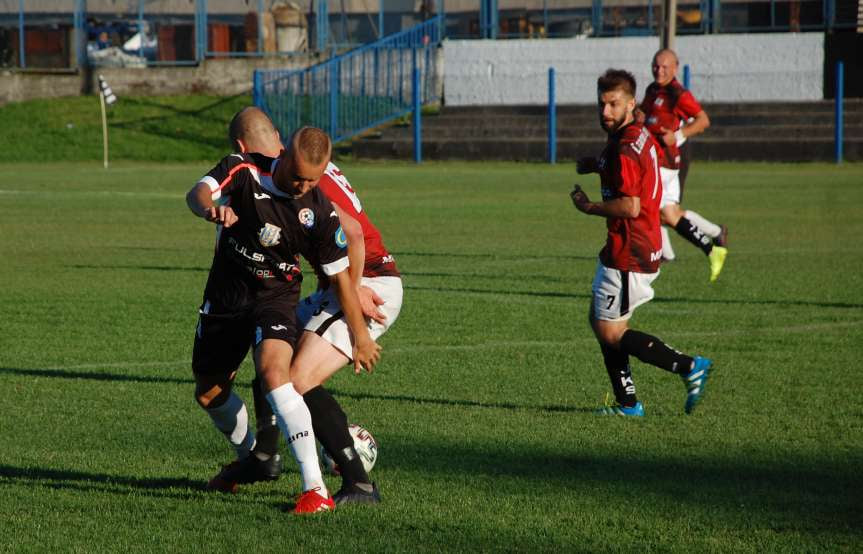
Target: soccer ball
[365,445]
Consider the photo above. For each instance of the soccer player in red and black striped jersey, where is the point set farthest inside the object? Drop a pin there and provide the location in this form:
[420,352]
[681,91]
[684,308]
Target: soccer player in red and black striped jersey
[665,106]
[629,262]
[273,214]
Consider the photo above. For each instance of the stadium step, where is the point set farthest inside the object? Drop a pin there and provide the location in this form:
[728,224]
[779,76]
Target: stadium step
[771,131]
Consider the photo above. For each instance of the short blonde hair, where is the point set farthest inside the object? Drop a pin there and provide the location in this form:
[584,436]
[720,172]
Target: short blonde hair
[312,144]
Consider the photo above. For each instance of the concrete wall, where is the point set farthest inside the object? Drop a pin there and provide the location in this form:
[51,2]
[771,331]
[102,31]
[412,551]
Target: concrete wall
[220,77]
[762,67]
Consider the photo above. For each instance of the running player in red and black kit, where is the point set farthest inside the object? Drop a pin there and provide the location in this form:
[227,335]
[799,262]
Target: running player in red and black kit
[666,104]
[629,262]
[273,214]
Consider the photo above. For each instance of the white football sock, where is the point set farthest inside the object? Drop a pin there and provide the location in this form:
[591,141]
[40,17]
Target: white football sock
[667,250]
[232,419]
[295,421]
[710,229]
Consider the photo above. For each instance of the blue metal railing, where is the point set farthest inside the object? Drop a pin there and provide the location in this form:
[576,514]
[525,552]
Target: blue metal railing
[357,90]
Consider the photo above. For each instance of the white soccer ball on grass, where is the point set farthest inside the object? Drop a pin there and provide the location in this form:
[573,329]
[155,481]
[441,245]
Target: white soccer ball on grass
[365,445]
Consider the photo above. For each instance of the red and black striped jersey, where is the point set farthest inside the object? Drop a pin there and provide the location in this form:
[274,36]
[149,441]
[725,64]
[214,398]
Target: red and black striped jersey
[260,254]
[629,166]
[379,262]
[666,106]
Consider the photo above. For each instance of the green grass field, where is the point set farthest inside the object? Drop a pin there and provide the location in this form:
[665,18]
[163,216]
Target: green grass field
[483,402]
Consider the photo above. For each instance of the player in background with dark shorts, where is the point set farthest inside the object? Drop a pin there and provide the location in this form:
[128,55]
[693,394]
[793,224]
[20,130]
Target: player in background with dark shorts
[272,214]
[665,106]
[629,262]
[326,342]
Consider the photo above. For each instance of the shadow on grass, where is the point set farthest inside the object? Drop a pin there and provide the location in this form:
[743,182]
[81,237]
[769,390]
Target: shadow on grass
[163,487]
[785,492]
[139,267]
[552,294]
[94,375]
[462,403]
[487,256]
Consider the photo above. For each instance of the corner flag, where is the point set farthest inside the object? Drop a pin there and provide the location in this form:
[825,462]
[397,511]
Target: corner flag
[106,97]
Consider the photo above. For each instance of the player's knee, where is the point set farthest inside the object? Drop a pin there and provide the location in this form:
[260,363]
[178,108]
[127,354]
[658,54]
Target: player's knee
[212,395]
[670,214]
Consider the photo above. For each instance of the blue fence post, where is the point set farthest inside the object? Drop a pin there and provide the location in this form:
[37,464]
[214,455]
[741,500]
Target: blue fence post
[686,77]
[141,28]
[381,19]
[80,35]
[334,100]
[418,141]
[552,119]
[22,58]
[840,93]
[322,25]
[257,92]
[260,25]
[596,17]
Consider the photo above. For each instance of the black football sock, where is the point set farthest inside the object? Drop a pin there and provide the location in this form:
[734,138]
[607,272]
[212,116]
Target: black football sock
[617,365]
[331,429]
[651,350]
[267,433]
[693,234]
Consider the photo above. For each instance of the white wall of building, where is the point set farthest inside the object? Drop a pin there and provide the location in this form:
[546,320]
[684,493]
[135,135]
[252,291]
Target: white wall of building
[724,68]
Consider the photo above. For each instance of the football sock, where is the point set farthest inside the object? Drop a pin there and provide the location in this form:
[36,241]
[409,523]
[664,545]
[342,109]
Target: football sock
[710,229]
[617,365]
[267,429]
[667,250]
[693,234]
[331,429]
[653,351]
[296,424]
[232,419]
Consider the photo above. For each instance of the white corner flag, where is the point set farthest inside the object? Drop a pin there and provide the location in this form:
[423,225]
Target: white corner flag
[106,97]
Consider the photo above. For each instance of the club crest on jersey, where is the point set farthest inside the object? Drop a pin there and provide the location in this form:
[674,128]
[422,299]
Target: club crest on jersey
[307,218]
[657,102]
[269,235]
[341,239]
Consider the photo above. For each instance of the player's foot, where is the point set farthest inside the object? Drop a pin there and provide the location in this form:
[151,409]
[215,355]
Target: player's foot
[717,260]
[356,494]
[250,469]
[695,382]
[722,239]
[616,409]
[310,502]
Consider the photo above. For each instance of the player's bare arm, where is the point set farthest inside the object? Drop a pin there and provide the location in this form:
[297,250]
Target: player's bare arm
[369,300]
[366,351]
[695,127]
[625,206]
[200,201]
[588,164]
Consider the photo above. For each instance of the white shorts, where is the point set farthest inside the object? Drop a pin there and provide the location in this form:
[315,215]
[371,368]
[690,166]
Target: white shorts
[670,186]
[617,293]
[322,314]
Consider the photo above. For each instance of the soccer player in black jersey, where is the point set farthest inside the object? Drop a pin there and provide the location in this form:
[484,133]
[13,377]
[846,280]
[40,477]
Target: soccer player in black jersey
[269,213]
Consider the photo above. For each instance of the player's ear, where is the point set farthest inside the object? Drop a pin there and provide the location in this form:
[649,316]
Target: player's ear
[240,146]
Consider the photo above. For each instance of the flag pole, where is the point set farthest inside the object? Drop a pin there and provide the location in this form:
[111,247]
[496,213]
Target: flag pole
[104,130]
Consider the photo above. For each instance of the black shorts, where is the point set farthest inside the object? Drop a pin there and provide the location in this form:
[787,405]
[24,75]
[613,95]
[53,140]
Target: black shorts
[222,340]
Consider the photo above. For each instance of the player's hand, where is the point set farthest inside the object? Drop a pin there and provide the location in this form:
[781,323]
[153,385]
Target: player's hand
[587,165]
[222,215]
[668,137]
[369,301]
[367,353]
[579,199]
